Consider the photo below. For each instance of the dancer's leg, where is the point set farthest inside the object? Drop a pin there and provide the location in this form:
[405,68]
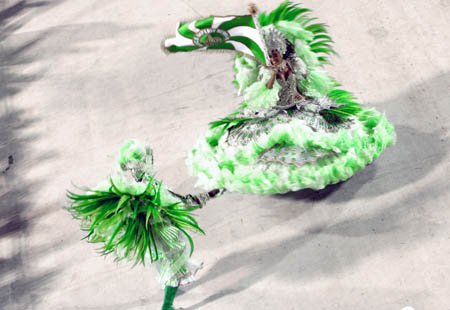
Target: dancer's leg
[169,295]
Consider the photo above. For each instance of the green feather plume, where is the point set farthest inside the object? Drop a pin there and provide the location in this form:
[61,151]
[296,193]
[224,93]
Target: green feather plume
[289,13]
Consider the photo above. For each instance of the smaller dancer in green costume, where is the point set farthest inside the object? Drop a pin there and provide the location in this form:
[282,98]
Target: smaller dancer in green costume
[141,220]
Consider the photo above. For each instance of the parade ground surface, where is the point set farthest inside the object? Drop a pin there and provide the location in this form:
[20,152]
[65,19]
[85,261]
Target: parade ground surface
[78,78]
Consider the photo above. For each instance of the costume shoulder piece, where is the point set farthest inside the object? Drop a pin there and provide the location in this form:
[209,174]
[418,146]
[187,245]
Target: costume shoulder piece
[296,128]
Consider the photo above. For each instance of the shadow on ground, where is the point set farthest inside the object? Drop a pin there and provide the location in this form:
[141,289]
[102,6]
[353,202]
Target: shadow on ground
[21,285]
[25,58]
[13,19]
[20,49]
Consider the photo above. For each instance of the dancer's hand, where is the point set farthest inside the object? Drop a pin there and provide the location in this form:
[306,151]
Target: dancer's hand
[216,192]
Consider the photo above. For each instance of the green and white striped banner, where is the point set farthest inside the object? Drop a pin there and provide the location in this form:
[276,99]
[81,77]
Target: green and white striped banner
[237,33]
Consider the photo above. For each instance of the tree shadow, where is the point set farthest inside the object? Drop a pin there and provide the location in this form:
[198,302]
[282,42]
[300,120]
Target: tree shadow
[13,19]
[21,49]
[330,249]
[22,286]
[18,8]
[312,253]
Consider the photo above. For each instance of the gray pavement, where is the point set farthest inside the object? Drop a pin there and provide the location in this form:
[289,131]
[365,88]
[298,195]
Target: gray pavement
[79,77]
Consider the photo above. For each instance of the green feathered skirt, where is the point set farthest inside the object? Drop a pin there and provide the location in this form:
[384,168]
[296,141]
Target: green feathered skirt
[288,152]
[140,222]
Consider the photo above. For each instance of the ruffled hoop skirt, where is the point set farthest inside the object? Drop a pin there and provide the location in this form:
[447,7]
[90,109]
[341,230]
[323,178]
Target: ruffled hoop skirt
[288,152]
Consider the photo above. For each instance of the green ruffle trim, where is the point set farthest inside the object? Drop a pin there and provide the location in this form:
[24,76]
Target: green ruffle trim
[236,168]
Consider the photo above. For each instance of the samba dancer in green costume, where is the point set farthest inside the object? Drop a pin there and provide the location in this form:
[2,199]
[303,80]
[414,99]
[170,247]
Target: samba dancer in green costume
[295,128]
